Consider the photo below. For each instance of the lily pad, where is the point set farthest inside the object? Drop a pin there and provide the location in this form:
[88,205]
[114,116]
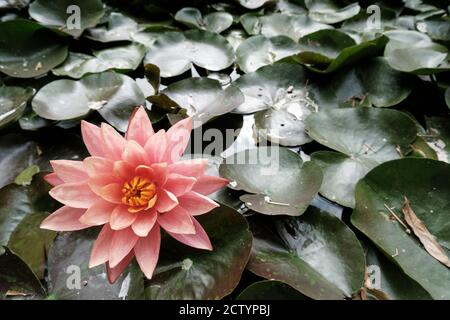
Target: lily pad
[113,95]
[119,27]
[437,28]
[13,101]
[186,273]
[175,52]
[447,97]
[200,98]
[17,280]
[424,183]
[69,16]
[121,58]
[253,4]
[23,57]
[329,11]
[214,21]
[277,180]
[258,51]
[316,254]
[70,278]
[270,290]
[147,35]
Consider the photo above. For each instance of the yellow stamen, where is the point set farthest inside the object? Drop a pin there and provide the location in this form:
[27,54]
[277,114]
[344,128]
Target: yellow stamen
[139,192]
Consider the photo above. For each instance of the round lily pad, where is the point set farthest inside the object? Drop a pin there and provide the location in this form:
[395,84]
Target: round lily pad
[329,11]
[270,290]
[175,52]
[277,180]
[253,4]
[186,273]
[23,57]
[119,27]
[214,21]
[13,101]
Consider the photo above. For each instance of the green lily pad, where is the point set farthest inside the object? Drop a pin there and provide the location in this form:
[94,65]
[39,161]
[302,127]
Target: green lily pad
[425,183]
[17,280]
[113,95]
[186,273]
[253,4]
[235,37]
[147,35]
[270,290]
[329,11]
[14,4]
[214,21]
[175,52]
[13,101]
[277,180]
[200,98]
[447,97]
[69,16]
[437,28]
[438,137]
[31,242]
[250,22]
[316,254]
[23,57]
[119,27]
[121,58]
[415,52]
[70,278]
[258,51]
[365,21]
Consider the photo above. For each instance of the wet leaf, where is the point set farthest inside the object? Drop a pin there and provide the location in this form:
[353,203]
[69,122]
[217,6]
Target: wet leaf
[270,290]
[329,11]
[214,21]
[13,101]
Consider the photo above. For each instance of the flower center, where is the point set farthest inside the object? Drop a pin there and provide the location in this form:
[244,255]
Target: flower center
[138,192]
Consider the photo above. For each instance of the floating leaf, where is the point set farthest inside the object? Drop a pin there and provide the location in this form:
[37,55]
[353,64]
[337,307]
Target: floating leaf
[425,183]
[175,52]
[253,4]
[26,176]
[113,95]
[186,273]
[119,28]
[214,21]
[21,56]
[438,136]
[277,180]
[13,101]
[317,254]
[328,11]
[69,16]
[270,290]
[437,28]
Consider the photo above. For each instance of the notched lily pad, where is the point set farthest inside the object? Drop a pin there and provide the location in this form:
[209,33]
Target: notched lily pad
[270,290]
[214,21]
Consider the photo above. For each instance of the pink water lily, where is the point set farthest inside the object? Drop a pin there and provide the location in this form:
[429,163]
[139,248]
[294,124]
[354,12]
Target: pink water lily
[133,186]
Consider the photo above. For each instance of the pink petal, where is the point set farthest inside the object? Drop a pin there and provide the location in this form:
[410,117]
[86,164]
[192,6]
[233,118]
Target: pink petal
[69,171]
[178,184]
[100,250]
[114,143]
[145,172]
[177,220]
[123,170]
[199,240]
[122,243]
[99,181]
[97,165]
[190,168]
[147,251]
[134,154]
[92,138]
[159,173]
[53,179]
[99,213]
[140,127]
[144,222]
[114,273]
[166,201]
[64,219]
[178,138]
[112,193]
[76,195]
[196,203]
[209,184]
[122,218]
[156,147]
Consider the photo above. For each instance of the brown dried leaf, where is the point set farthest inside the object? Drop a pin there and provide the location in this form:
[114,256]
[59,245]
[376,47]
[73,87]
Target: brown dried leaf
[12,293]
[378,294]
[426,238]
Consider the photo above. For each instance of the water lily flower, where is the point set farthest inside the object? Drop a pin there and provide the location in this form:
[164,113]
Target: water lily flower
[133,186]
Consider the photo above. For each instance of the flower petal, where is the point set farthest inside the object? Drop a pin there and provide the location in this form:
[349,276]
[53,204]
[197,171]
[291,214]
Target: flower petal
[113,142]
[178,184]
[123,170]
[122,243]
[196,203]
[53,179]
[147,251]
[97,214]
[178,138]
[140,127]
[114,273]
[69,171]
[122,218]
[166,201]
[76,195]
[64,219]
[134,154]
[100,250]
[177,220]
[156,147]
[159,173]
[199,240]
[93,139]
[209,184]
[190,168]
[144,222]
[99,181]
[97,165]
[112,193]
